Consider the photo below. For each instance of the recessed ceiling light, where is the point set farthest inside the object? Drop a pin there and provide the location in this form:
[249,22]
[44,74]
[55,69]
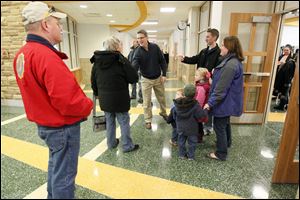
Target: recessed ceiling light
[151,31]
[112,21]
[108,15]
[167,10]
[150,22]
[152,35]
[83,6]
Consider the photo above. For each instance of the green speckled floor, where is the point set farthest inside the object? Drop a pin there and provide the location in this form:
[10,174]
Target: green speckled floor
[247,172]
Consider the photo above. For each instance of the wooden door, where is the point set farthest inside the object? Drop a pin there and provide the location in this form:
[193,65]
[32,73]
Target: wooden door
[258,35]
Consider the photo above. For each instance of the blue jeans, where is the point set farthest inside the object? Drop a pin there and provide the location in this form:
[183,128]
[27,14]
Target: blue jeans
[192,141]
[63,144]
[133,93]
[174,135]
[123,119]
[209,124]
[222,129]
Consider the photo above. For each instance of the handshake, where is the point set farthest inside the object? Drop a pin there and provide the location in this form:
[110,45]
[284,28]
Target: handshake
[180,57]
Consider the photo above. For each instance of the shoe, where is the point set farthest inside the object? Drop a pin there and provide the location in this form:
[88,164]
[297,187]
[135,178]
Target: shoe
[117,143]
[173,143]
[183,157]
[191,158]
[207,131]
[164,116]
[212,155]
[136,147]
[140,101]
[132,97]
[148,125]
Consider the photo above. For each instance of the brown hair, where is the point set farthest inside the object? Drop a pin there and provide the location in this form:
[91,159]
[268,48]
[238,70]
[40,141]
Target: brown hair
[214,32]
[143,32]
[233,45]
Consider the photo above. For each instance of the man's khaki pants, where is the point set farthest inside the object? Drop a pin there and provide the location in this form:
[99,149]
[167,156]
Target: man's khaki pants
[159,90]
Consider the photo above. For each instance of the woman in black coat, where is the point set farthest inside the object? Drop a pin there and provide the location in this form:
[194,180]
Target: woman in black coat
[111,74]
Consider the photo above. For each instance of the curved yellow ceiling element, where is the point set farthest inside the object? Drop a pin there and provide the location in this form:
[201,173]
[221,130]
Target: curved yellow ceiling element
[143,15]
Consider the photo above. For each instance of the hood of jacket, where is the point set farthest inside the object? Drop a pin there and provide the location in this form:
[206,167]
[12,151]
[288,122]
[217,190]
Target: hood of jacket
[104,59]
[184,106]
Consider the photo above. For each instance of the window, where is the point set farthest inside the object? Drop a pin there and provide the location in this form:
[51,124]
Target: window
[69,43]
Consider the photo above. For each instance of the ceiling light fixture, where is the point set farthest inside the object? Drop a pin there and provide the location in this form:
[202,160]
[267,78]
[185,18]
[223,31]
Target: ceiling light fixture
[150,22]
[112,21]
[83,6]
[151,31]
[108,15]
[167,10]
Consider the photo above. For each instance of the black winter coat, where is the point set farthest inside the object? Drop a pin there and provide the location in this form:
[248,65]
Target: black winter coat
[208,59]
[111,74]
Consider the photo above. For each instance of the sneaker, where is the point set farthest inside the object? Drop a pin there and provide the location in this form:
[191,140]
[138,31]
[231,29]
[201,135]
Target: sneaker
[164,116]
[173,143]
[148,125]
[208,131]
[191,158]
[117,143]
[183,157]
[136,147]
[140,101]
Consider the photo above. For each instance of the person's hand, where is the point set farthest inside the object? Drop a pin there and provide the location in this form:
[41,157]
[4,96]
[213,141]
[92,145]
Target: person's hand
[181,58]
[206,106]
[163,79]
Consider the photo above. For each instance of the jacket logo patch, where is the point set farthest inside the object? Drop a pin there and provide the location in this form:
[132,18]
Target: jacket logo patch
[20,65]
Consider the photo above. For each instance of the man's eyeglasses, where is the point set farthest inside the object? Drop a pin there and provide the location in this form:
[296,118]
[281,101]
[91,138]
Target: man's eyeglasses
[140,38]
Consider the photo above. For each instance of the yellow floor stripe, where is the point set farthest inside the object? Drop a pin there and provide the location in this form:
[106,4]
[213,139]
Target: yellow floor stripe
[111,181]
[138,111]
[276,117]
[13,119]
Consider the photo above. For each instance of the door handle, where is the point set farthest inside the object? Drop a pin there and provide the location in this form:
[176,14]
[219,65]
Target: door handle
[257,74]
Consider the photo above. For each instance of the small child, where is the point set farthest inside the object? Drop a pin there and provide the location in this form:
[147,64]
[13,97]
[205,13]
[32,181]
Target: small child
[202,77]
[172,120]
[188,112]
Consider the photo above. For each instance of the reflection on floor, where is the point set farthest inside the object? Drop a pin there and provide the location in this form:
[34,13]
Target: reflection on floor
[153,171]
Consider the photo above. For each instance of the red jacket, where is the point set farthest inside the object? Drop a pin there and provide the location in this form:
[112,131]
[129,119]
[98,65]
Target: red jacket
[50,92]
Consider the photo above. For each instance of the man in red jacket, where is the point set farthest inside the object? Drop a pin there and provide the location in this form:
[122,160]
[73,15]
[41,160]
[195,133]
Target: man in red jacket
[52,97]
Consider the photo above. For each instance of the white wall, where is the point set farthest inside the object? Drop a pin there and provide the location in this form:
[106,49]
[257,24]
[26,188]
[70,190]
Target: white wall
[290,35]
[192,32]
[216,14]
[241,7]
[92,36]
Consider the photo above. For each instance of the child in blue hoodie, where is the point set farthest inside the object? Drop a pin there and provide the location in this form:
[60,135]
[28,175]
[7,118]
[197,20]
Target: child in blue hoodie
[188,112]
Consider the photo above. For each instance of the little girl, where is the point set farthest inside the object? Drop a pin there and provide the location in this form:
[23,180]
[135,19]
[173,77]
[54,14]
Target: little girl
[202,77]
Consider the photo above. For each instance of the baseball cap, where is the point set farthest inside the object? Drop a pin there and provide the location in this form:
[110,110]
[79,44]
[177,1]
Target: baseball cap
[189,90]
[36,11]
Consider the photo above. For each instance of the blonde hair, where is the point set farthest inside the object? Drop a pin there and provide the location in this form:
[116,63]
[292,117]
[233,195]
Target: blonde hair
[112,44]
[180,90]
[203,73]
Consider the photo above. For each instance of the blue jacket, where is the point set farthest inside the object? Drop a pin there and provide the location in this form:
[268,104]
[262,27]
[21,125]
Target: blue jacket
[188,112]
[226,92]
